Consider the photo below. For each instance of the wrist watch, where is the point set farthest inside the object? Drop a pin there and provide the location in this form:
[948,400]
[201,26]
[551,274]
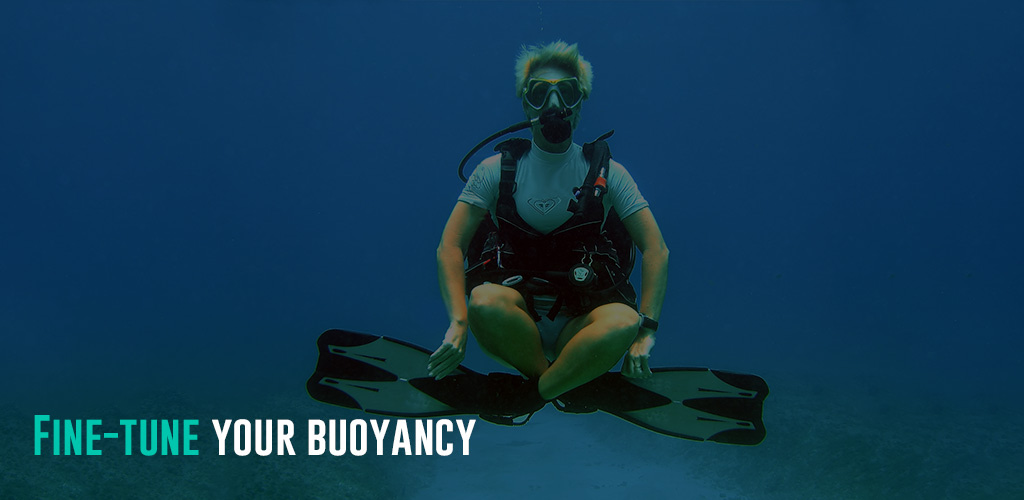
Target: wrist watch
[648,323]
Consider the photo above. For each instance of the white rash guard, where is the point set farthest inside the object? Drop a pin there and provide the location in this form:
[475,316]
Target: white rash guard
[544,186]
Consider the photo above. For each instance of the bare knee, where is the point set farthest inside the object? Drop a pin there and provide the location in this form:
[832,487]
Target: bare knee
[489,299]
[612,325]
[619,321]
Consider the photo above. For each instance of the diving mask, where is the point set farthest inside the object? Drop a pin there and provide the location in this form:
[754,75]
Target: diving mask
[537,91]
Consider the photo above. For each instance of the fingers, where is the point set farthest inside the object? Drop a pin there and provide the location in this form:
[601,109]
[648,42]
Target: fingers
[445,369]
[438,358]
[445,354]
[636,367]
[631,367]
[645,368]
[441,351]
[444,361]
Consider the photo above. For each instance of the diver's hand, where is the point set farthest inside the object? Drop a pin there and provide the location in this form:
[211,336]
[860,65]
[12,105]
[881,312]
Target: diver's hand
[635,365]
[447,358]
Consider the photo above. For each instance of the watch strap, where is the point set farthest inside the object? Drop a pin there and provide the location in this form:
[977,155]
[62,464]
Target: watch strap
[648,323]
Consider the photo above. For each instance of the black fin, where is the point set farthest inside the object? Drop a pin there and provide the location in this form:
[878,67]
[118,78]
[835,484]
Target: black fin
[389,377]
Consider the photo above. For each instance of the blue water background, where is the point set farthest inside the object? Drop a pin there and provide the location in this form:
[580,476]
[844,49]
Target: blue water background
[192,191]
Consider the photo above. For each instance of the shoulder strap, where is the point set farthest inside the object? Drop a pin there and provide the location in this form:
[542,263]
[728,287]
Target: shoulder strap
[598,155]
[511,151]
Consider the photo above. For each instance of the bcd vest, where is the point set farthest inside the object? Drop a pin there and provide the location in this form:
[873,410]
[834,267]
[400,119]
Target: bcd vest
[584,263]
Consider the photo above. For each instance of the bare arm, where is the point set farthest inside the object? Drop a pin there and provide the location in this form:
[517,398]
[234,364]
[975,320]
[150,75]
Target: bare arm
[654,278]
[451,252]
[458,232]
[654,270]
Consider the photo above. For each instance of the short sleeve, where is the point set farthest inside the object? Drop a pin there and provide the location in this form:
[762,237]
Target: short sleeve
[623,191]
[482,187]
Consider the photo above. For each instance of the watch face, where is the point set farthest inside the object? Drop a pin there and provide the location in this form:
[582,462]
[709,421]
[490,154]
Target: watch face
[648,323]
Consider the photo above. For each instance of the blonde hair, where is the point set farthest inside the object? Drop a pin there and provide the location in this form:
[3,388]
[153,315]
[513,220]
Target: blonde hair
[557,54]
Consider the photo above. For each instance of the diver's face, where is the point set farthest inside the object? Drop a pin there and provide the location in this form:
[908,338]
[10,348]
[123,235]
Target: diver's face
[552,101]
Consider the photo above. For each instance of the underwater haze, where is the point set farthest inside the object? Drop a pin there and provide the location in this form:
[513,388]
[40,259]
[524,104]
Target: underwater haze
[191,191]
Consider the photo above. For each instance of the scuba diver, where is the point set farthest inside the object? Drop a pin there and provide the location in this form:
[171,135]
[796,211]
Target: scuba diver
[548,229]
[542,240]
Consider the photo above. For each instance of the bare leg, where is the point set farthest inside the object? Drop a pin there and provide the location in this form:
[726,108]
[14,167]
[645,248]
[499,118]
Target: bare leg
[589,346]
[504,330]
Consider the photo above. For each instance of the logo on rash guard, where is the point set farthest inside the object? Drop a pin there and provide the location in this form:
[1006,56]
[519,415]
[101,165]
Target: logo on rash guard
[475,184]
[545,206]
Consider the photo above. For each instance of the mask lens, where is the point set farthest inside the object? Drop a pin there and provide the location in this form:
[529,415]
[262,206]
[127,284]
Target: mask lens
[537,92]
[569,90]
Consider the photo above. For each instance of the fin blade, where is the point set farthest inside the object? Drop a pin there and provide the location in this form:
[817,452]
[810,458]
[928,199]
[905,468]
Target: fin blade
[404,360]
[385,398]
[681,384]
[690,403]
[372,373]
[707,405]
